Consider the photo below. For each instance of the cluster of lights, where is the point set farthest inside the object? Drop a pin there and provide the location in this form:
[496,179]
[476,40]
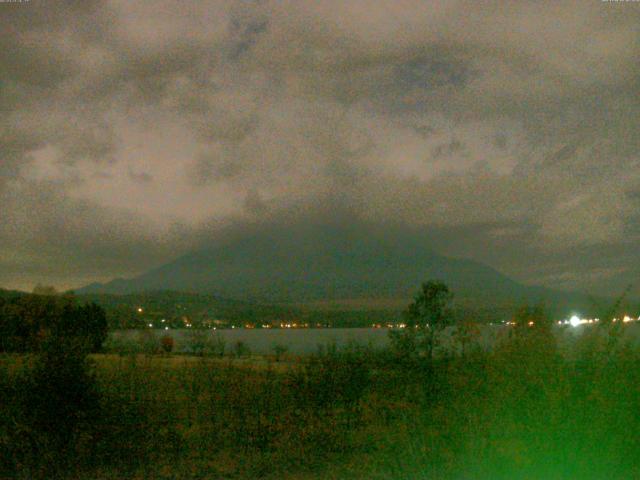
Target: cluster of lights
[627,319]
[576,321]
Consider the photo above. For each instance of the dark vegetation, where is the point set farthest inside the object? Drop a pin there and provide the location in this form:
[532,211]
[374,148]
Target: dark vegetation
[525,409]
[28,323]
[208,311]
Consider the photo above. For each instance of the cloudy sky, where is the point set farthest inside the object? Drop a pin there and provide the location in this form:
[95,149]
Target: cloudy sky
[131,131]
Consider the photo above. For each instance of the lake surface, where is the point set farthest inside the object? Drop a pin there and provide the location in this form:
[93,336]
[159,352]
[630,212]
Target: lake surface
[308,340]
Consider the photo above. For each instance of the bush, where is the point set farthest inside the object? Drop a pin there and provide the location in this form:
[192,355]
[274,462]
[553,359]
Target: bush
[202,342]
[167,343]
[279,351]
[241,349]
[122,344]
[147,342]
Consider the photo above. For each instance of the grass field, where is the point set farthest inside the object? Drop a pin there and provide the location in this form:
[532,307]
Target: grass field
[519,411]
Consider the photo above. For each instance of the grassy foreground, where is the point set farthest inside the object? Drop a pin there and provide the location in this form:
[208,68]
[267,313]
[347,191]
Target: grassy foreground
[521,411]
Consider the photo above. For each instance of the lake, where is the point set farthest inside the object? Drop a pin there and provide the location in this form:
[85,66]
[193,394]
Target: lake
[262,341]
[308,340]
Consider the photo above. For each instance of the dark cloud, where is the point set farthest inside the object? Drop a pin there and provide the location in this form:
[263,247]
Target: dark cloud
[132,130]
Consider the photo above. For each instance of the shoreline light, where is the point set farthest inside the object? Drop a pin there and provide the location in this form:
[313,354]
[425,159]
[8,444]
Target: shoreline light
[575,321]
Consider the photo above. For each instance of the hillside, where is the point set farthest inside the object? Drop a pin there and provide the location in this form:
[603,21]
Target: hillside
[331,262]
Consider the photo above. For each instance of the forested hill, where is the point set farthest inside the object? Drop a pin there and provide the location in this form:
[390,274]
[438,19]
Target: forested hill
[332,262]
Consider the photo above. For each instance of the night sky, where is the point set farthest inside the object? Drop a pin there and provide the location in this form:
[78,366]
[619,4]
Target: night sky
[132,131]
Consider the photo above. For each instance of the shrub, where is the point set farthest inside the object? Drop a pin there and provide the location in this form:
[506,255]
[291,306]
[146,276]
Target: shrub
[147,342]
[167,343]
[279,351]
[202,342]
[241,349]
[216,346]
[120,344]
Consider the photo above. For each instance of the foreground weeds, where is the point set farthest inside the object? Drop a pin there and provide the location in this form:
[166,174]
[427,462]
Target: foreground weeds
[519,411]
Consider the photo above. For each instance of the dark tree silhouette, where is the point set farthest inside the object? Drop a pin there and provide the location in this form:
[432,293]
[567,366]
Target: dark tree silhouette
[429,313]
[27,321]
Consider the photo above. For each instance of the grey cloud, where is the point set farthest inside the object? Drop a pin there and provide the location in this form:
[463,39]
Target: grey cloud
[255,204]
[448,149]
[500,140]
[245,34]
[140,177]
[56,237]
[214,166]
[529,114]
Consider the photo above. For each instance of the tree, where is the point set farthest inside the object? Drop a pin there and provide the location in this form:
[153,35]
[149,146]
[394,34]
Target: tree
[429,313]
[94,325]
[27,321]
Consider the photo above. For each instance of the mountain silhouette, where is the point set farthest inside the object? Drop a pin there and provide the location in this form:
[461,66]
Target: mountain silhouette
[333,260]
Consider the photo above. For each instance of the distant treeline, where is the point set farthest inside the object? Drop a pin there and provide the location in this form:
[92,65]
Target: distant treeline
[29,321]
[136,311]
[177,309]
[207,311]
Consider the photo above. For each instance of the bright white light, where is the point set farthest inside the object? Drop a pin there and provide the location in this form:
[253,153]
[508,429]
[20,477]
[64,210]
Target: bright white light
[575,321]
[166,328]
[151,324]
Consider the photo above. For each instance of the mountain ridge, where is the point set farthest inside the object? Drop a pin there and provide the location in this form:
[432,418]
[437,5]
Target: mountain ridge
[326,262]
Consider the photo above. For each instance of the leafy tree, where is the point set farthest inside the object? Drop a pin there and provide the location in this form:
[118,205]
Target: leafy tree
[94,325]
[29,320]
[59,400]
[466,334]
[429,313]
